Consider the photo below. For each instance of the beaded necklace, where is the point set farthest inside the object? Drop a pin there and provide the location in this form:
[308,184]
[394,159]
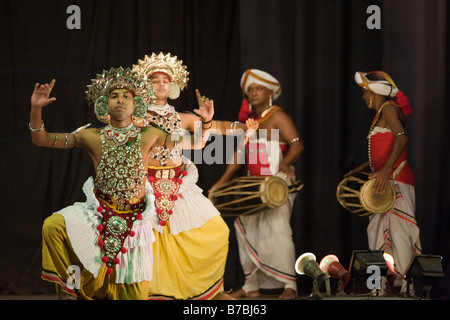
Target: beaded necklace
[164,117]
[120,136]
[168,119]
[121,173]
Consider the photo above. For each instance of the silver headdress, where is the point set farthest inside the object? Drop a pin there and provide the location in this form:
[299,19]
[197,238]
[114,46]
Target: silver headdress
[167,64]
[119,78]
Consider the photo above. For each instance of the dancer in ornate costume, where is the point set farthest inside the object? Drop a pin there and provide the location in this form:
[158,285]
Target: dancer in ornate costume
[192,239]
[107,240]
[396,231]
[266,247]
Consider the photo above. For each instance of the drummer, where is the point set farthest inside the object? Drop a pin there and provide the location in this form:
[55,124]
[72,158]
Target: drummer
[267,261]
[396,231]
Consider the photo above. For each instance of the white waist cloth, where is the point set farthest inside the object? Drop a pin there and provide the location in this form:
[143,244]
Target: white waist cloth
[192,209]
[82,220]
[266,247]
[396,231]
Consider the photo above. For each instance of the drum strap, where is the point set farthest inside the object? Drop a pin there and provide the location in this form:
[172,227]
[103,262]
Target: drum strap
[399,168]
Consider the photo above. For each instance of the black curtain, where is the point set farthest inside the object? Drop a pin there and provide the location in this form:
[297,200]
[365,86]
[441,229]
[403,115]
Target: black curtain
[312,47]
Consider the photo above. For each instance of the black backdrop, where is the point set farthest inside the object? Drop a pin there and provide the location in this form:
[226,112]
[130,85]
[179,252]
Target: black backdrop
[312,47]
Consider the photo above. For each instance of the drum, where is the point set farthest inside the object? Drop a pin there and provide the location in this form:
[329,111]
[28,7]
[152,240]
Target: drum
[355,193]
[251,194]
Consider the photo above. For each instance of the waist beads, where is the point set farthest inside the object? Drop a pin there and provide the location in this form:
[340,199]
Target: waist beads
[115,228]
[166,183]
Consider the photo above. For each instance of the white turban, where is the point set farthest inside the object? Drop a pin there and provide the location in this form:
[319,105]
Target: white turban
[382,87]
[263,78]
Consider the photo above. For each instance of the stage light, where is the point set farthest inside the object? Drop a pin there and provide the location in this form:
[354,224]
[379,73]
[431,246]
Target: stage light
[424,271]
[362,259]
[391,274]
[366,269]
[330,264]
[306,264]
[389,261]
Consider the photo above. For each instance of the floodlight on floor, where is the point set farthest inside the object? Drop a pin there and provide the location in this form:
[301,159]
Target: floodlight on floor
[306,264]
[425,271]
[366,269]
[330,265]
[363,259]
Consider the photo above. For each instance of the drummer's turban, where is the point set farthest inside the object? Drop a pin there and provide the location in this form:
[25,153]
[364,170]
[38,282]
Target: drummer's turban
[263,78]
[385,87]
[259,77]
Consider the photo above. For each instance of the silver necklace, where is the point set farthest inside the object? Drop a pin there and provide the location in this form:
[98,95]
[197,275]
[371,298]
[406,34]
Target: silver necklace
[120,136]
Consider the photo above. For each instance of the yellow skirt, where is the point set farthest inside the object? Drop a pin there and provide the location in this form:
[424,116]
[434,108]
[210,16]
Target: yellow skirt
[190,264]
[58,255]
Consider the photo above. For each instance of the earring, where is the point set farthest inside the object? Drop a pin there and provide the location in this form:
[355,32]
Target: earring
[270,101]
[249,107]
[174,91]
[101,109]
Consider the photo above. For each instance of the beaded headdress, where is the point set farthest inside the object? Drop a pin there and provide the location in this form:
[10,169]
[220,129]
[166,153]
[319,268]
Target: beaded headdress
[119,78]
[167,64]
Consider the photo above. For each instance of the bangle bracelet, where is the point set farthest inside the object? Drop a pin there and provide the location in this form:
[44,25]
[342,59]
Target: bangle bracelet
[56,139]
[65,140]
[206,128]
[293,140]
[233,127]
[38,129]
[206,122]
[74,140]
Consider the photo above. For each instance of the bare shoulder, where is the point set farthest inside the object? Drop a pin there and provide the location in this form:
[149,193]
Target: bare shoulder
[281,117]
[392,116]
[87,137]
[88,133]
[391,110]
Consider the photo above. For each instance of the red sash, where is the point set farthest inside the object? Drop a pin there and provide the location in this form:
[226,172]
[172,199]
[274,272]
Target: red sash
[380,149]
[256,153]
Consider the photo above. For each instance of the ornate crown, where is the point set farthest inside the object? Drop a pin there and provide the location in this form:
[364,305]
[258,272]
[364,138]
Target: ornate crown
[117,78]
[166,64]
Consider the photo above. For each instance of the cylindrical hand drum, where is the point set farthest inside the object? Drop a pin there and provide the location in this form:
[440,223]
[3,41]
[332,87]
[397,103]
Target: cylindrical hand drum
[249,195]
[355,193]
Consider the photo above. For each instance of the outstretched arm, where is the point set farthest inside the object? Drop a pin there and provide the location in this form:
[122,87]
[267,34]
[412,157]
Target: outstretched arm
[39,135]
[205,114]
[361,168]
[216,126]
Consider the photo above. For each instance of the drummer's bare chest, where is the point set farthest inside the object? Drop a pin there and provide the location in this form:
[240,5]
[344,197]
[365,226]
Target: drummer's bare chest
[268,130]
